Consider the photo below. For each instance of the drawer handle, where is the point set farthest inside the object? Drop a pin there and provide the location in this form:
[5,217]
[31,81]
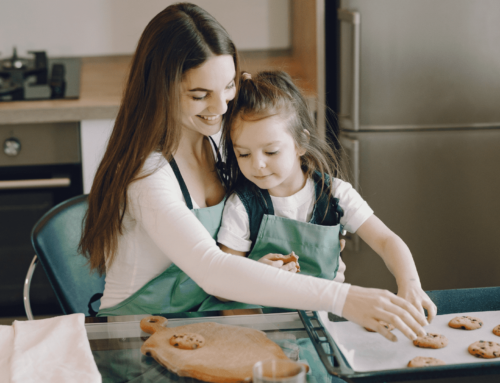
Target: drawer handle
[35,184]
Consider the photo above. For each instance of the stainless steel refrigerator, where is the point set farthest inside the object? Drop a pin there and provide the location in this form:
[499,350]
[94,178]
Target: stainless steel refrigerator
[419,117]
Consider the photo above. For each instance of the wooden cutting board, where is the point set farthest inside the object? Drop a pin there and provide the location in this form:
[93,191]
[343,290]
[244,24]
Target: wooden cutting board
[227,354]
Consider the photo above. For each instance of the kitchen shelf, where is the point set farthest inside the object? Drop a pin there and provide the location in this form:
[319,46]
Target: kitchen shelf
[102,81]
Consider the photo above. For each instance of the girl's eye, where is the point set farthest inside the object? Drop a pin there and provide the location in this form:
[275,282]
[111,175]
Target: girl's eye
[243,155]
[271,153]
[231,86]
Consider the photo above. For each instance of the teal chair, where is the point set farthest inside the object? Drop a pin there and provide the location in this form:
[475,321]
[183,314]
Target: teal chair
[55,238]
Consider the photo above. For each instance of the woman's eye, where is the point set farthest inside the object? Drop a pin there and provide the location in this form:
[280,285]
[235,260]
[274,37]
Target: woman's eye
[243,155]
[271,153]
[231,86]
[200,98]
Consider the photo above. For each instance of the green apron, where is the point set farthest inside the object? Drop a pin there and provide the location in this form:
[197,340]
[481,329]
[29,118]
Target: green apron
[316,242]
[172,291]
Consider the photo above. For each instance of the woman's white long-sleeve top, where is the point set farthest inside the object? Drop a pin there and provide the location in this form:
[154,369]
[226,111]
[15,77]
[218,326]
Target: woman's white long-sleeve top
[159,230]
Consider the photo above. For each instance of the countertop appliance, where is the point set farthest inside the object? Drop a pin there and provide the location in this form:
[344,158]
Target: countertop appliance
[416,85]
[40,166]
[39,77]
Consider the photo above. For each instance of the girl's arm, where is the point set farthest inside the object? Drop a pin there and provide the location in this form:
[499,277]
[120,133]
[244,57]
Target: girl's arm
[399,261]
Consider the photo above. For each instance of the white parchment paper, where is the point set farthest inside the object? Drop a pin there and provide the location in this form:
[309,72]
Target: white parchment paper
[367,351]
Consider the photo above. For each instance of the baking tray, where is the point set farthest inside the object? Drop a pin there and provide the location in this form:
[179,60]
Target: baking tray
[448,302]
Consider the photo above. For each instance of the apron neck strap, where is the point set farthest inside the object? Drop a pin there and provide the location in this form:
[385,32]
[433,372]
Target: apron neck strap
[219,158]
[220,166]
[182,184]
[269,203]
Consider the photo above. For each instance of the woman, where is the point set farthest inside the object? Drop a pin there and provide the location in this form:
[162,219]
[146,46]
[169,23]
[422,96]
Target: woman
[156,202]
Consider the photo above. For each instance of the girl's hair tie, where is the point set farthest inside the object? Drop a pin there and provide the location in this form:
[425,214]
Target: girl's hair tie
[246,76]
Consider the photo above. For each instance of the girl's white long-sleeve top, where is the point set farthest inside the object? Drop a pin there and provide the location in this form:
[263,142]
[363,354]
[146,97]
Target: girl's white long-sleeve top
[159,229]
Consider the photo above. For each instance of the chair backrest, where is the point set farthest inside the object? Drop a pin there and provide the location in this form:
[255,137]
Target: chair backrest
[55,238]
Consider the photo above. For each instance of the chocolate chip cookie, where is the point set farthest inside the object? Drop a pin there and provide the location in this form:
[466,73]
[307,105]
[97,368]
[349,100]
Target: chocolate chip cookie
[485,349]
[465,322]
[425,361]
[496,330]
[431,341]
[187,341]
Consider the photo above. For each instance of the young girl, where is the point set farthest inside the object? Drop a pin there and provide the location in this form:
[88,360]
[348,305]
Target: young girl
[287,195]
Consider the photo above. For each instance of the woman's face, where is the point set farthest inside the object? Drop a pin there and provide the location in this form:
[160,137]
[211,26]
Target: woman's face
[205,92]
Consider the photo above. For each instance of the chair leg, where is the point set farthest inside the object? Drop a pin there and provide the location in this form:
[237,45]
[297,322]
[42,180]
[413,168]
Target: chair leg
[26,290]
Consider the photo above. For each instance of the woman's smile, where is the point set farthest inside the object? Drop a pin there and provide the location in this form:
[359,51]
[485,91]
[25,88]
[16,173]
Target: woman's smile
[211,120]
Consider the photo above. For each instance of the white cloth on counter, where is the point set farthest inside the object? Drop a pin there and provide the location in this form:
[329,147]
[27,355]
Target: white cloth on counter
[159,229]
[6,346]
[54,350]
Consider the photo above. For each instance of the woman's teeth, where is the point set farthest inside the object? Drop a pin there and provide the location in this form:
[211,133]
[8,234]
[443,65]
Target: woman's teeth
[212,118]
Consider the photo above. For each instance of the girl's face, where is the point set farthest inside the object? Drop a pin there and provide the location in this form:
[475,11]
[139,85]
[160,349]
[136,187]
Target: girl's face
[267,155]
[205,92]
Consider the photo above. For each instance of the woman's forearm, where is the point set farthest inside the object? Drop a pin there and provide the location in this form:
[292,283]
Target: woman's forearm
[175,230]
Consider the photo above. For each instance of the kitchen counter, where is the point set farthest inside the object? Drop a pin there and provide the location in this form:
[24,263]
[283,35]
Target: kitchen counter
[102,81]
[116,341]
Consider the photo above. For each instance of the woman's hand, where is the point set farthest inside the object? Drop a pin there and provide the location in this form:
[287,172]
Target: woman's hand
[367,307]
[278,260]
[413,293]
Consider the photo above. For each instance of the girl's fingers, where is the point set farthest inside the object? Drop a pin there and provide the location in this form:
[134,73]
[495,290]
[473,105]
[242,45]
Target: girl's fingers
[342,245]
[419,306]
[276,263]
[431,309]
[271,263]
[291,266]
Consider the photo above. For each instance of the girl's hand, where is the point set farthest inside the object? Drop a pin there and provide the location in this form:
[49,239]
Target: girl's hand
[413,293]
[367,307]
[278,260]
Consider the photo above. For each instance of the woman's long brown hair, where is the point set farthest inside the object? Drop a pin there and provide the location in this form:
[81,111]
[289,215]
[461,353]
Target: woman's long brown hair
[181,37]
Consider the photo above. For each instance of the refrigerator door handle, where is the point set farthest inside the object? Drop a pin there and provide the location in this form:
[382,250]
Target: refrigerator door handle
[350,120]
[350,147]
